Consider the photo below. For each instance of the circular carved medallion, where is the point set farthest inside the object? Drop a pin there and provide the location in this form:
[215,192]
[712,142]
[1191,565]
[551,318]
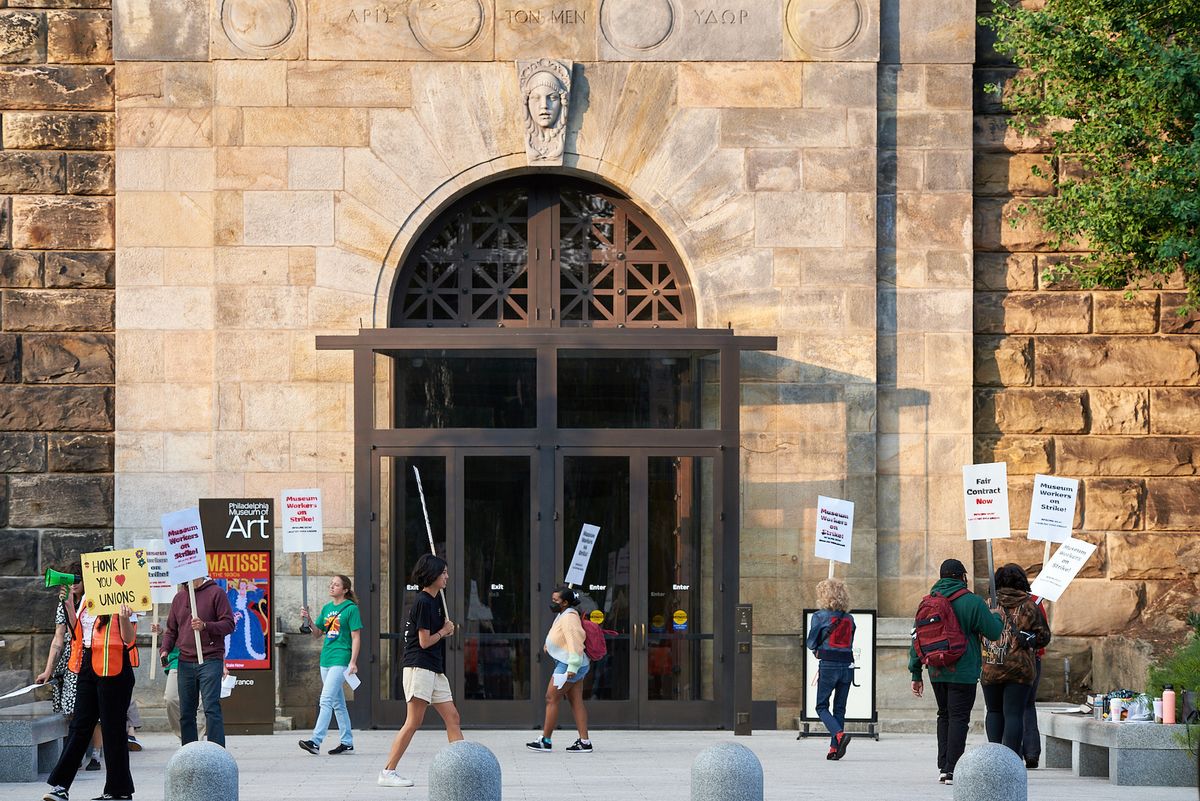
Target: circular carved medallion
[826,27]
[636,24]
[258,26]
[446,26]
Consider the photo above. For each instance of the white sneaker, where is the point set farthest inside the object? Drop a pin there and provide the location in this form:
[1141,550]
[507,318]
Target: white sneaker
[390,778]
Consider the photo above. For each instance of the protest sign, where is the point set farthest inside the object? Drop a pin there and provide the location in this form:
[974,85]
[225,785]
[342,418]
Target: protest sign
[113,578]
[1068,560]
[162,589]
[985,487]
[1052,512]
[184,541]
[835,528]
[583,553]
[302,524]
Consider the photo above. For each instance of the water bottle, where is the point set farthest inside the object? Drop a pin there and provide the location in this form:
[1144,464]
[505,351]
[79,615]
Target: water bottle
[1168,704]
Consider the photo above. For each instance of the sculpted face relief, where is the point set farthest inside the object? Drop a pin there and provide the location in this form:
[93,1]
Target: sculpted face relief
[546,93]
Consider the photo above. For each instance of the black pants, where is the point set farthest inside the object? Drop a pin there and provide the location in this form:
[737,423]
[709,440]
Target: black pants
[954,702]
[1005,722]
[1031,739]
[103,699]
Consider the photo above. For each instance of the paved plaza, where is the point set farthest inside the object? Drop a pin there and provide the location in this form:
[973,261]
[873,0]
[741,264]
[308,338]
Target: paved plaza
[627,766]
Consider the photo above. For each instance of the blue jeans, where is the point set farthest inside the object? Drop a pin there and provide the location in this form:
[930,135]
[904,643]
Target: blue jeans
[333,702]
[195,682]
[833,678]
[561,667]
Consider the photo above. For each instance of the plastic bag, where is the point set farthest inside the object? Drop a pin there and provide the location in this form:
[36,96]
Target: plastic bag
[1140,708]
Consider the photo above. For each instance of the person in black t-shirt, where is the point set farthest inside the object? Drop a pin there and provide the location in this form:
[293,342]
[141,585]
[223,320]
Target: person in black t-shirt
[425,681]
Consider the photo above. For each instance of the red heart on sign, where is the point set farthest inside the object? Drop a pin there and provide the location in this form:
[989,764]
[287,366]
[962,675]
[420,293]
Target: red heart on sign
[121,579]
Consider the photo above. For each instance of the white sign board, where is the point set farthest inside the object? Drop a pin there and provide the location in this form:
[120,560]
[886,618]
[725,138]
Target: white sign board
[860,703]
[835,528]
[303,531]
[1052,513]
[985,487]
[162,590]
[583,553]
[1064,566]
[184,543]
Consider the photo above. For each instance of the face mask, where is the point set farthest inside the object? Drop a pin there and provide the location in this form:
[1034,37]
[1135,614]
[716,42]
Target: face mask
[555,607]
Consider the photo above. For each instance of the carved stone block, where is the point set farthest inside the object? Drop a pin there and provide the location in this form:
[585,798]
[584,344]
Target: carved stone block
[79,37]
[423,30]
[38,130]
[22,37]
[259,29]
[160,30]
[24,173]
[690,30]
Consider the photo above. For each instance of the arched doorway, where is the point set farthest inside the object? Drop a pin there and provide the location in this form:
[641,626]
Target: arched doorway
[543,372]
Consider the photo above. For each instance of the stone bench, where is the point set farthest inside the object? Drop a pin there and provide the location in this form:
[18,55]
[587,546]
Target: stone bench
[1125,753]
[30,741]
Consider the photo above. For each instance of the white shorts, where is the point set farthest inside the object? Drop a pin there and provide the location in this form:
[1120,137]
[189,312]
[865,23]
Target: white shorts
[430,687]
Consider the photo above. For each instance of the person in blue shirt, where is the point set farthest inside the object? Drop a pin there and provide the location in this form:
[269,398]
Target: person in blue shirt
[831,640]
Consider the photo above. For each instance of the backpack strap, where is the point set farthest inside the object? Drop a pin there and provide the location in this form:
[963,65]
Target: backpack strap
[954,596]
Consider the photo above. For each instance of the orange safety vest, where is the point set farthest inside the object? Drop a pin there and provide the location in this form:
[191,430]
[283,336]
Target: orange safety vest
[107,649]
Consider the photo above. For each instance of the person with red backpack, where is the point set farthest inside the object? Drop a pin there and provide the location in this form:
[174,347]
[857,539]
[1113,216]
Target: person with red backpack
[946,639]
[831,639]
[566,646]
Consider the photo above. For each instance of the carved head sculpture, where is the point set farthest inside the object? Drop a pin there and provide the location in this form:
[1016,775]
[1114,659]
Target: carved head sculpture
[546,92]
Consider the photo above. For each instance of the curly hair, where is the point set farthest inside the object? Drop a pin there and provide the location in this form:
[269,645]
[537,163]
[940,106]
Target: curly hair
[1011,576]
[831,594]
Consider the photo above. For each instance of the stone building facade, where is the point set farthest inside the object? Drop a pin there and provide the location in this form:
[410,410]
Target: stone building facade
[829,175]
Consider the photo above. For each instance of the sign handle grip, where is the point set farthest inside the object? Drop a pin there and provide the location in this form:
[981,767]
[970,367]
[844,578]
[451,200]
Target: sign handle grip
[154,641]
[199,648]
[831,564]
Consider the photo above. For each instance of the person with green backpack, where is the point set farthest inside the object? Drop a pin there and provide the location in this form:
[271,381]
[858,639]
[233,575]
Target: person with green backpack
[950,623]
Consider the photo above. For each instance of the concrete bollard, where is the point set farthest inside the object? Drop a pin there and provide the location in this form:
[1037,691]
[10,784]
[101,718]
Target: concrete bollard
[464,771]
[202,771]
[991,772]
[727,772]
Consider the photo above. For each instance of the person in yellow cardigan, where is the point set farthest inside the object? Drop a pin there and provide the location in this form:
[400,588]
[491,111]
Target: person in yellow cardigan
[564,644]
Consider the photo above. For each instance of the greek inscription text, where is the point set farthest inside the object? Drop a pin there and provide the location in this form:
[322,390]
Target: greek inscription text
[721,16]
[554,16]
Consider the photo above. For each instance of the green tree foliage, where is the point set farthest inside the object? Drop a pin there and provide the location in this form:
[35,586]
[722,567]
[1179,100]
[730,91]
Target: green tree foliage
[1117,83]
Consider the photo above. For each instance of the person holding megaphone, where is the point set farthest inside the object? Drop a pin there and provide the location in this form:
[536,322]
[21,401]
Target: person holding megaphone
[58,671]
[103,656]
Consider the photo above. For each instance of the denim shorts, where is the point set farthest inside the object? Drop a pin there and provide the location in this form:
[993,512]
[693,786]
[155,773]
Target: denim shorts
[561,667]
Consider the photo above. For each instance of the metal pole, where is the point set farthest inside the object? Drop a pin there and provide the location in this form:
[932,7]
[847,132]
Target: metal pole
[831,563]
[429,532]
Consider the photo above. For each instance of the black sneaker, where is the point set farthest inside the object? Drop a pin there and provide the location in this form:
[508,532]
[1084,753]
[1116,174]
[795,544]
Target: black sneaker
[580,747]
[341,749]
[949,779]
[310,746]
[540,744]
[56,794]
[111,797]
[1031,763]
[843,740]
[93,765]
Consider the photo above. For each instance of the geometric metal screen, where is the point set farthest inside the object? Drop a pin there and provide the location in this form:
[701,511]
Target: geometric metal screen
[536,252]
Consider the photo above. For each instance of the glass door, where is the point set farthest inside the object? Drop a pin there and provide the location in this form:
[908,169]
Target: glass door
[651,578]
[402,539]
[494,646]
[596,488]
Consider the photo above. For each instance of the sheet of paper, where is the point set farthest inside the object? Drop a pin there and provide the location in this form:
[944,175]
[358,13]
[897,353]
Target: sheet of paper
[227,685]
[560,680]
[21,691]
[353,680]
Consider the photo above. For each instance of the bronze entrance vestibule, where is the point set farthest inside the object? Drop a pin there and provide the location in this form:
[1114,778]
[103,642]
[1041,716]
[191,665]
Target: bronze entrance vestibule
[542,372]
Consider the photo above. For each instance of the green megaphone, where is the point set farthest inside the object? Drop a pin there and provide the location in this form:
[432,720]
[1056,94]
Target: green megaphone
[56,579]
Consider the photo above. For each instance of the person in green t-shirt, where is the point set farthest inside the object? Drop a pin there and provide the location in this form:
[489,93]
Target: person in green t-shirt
[338,625]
